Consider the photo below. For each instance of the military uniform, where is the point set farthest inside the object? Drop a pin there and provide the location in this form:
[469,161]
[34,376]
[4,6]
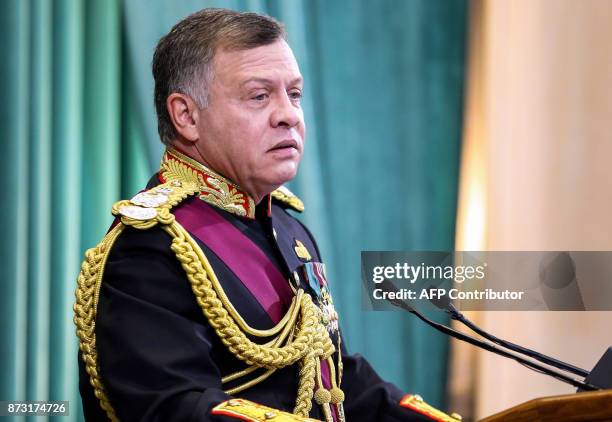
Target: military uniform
[201,305]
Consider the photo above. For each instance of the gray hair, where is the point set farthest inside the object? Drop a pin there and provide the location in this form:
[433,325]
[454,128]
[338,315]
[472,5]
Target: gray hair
[183,58]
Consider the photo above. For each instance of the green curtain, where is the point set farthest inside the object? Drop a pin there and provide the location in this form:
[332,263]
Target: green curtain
[72,146]
[388,82]
[383,102]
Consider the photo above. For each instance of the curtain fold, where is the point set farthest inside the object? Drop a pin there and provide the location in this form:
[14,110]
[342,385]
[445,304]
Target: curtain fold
[67,158]
[66,177]
[389,85]
[39,218]
[15,37]
[383,109]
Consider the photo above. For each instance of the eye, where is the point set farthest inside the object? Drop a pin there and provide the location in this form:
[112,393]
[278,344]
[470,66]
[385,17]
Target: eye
[260,97]
[295,95]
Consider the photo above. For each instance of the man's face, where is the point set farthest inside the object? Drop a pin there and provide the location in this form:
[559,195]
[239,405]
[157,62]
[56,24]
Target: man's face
[252,130]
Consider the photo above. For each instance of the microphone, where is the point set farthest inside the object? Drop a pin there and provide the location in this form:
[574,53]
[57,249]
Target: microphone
[558,282]
[444,303]
[388,286]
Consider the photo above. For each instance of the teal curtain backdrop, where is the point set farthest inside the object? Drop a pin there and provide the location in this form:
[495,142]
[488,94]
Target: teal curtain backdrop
[383,104]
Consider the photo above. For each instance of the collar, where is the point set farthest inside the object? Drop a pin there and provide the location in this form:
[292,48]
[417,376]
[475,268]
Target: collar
[215,189]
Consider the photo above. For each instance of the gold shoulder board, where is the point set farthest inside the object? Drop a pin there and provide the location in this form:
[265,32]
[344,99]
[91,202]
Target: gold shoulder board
[245,410]
[287,197]
[153,206]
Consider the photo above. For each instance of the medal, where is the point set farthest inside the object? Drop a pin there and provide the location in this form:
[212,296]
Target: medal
[314,273]
[149,200]
[138,213]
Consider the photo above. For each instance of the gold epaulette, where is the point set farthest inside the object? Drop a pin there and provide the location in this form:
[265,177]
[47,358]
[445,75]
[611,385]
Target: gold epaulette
[416,403]
[245,410]
[143,211]
[287,197]
[153,206]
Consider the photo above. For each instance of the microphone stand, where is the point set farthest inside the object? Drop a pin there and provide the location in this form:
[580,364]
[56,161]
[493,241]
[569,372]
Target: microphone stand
[458,316]
[492,348]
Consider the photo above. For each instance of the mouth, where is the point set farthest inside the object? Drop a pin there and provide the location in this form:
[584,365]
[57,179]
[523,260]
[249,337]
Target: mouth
[286,144]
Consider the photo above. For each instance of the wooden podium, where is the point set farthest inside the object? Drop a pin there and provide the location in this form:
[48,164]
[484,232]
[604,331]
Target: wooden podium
[588,407]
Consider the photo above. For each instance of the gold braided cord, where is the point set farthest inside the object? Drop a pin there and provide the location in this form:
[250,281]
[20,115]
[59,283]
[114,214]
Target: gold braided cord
[303,402]
[340,365]
[293,311]
[336,394]
[323,396]
[85,308]
[290,323]
[90,277]
[320,349]
[238,374]
[283,323]
[310,340]
[250,383]
[300,337]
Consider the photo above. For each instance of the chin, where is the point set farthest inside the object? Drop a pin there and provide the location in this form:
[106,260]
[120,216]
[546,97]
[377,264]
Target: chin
[284,175]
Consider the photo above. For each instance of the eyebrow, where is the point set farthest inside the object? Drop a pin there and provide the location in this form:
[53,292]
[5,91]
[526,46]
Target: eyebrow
[265,81]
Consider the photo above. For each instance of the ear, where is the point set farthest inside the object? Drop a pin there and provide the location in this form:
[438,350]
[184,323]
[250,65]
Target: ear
[183,113]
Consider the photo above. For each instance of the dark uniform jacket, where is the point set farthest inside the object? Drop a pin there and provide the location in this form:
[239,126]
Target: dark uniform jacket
[157,355]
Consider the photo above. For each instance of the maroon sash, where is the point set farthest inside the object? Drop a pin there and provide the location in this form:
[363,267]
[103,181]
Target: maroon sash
[241,255]
[245,259]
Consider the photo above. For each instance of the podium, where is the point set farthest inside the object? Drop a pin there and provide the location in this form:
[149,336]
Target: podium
[593,406]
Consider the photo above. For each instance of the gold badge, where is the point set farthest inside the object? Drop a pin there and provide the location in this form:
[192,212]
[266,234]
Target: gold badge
[301,251]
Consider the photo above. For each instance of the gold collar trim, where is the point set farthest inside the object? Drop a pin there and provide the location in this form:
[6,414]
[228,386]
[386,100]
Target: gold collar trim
[214,188]
[285,196]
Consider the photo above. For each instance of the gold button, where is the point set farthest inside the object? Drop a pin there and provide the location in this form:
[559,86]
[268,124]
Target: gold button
[232,403]
[269,415]
[456,416]
[418,398]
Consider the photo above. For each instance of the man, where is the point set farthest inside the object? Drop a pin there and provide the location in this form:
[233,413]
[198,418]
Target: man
[207,300]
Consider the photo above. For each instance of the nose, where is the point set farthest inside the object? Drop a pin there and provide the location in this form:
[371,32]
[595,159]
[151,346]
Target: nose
[285,113]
